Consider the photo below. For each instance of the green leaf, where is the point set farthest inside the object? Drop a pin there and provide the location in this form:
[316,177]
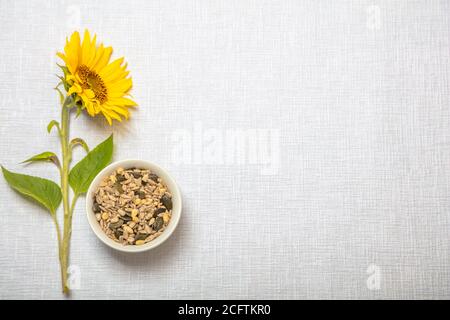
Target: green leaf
[79,141]
[51,125]
[64,69]
[45,192]
[44,156]
[79,109]
[66,72]
[61,95]
[82,174]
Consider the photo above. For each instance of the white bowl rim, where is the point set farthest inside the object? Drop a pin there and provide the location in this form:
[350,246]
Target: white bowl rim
[167,180]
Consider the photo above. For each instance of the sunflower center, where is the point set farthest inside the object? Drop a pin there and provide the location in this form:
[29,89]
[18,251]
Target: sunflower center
[91,80]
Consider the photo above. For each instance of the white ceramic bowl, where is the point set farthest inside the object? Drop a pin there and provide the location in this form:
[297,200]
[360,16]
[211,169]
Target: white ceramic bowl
[167,180]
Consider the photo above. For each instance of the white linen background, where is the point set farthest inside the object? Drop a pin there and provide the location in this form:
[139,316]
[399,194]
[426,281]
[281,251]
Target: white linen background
[358,92]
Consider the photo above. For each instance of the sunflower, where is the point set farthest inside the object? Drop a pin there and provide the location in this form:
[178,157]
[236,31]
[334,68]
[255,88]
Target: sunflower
[101,86]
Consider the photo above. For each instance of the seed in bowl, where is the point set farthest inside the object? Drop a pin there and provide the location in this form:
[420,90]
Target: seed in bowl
[132,206]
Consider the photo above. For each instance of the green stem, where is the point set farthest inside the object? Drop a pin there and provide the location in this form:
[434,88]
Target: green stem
[58,234]
[66,158]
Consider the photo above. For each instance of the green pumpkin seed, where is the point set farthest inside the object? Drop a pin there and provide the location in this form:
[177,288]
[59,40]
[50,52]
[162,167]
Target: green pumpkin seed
[158,223]
[118,233]
[118,186]
[158,211]
[96,207]
[137,175]
[126,217]
[141,194]
[141,236]
[166,201]
[115,225]
[120,178]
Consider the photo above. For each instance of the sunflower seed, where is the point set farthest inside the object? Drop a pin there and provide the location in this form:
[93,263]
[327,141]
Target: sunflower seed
[127,229]
[114,220]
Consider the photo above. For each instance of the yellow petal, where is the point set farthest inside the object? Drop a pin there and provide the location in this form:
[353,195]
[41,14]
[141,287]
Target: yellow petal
[121,86]
[122,102]
[62,56]
[120,110]
[108,118]
[103,59]
[72,52]
[86,51]
[89,93]
[75,88]
[115,76]
[110,113]
[96,106]
[110,68]
[71,78]
[98,55]
[93,52]
[89,106]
